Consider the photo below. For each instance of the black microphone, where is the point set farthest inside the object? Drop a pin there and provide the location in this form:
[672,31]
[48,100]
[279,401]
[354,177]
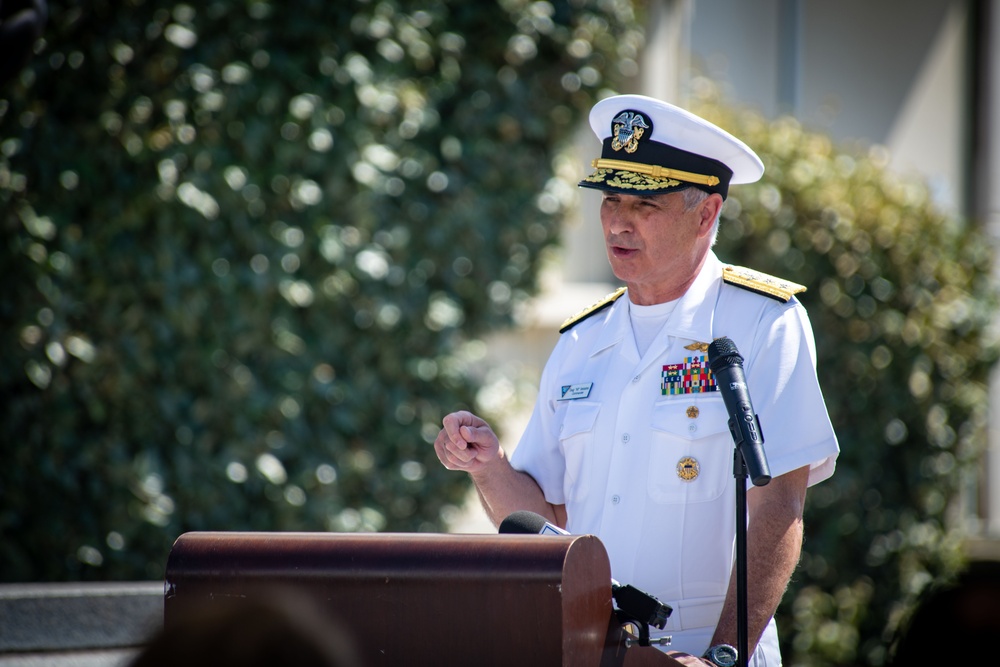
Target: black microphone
[727,366]
[529,523]
[634,603]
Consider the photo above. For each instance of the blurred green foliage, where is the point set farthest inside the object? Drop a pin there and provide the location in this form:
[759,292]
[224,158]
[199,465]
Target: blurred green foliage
[248,251]
[902,302]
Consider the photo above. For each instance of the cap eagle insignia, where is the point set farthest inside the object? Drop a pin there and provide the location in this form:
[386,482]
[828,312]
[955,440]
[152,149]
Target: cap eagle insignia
[626,130]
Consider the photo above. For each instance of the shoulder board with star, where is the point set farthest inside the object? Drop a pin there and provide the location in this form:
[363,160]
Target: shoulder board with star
[590,310]
[761,283]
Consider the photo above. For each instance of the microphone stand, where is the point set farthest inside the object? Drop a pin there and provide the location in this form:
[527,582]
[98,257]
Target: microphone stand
[741,475]
[727,364]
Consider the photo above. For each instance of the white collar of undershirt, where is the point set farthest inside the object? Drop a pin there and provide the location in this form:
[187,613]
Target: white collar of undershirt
[647,322]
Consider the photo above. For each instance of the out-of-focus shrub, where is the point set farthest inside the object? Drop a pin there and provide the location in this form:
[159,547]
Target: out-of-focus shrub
[248,249]
[902,300]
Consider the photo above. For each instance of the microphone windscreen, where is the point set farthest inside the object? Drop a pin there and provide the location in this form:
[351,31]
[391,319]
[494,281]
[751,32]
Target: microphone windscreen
[722,352]
[523,522]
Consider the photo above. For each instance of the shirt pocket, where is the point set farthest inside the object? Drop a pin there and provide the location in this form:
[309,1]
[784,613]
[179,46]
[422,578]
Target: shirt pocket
[691,451]
[576,437]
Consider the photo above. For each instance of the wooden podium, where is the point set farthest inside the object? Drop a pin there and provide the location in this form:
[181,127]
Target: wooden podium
[423,598]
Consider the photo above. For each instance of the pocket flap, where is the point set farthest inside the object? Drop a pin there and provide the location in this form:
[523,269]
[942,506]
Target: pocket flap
[580,418]
[691,420]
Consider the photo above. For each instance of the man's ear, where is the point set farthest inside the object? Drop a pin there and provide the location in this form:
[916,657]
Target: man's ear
[709,211]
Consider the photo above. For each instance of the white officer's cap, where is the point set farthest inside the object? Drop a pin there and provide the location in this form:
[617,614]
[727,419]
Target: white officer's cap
[652,147]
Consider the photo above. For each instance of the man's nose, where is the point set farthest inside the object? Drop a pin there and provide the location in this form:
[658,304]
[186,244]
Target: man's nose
[617,218]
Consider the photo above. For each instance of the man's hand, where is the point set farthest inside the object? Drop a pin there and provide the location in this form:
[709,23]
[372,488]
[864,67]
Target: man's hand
[466,443]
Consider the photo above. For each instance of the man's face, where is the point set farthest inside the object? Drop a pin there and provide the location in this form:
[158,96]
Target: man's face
[655,244]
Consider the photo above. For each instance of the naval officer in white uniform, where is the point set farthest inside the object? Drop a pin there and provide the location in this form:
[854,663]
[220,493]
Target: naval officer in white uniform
[629,438]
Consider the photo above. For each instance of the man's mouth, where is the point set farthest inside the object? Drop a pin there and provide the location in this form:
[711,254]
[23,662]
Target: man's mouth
[622,251]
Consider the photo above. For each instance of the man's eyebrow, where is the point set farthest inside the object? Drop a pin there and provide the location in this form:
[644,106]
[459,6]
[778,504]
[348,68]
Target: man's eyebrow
[644,196]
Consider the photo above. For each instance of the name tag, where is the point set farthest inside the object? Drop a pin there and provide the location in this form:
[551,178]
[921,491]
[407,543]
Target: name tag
[572,392]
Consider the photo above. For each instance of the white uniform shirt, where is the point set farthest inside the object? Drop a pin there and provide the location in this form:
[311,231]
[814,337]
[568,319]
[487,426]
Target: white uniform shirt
[644,460]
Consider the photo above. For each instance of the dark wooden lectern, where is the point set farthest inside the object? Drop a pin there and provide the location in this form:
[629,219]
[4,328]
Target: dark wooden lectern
[422,599]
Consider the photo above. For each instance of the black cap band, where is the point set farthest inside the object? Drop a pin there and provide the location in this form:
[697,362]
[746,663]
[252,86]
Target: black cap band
[657,168]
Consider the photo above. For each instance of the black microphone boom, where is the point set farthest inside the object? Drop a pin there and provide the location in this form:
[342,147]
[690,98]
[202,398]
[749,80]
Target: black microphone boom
[727,366]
